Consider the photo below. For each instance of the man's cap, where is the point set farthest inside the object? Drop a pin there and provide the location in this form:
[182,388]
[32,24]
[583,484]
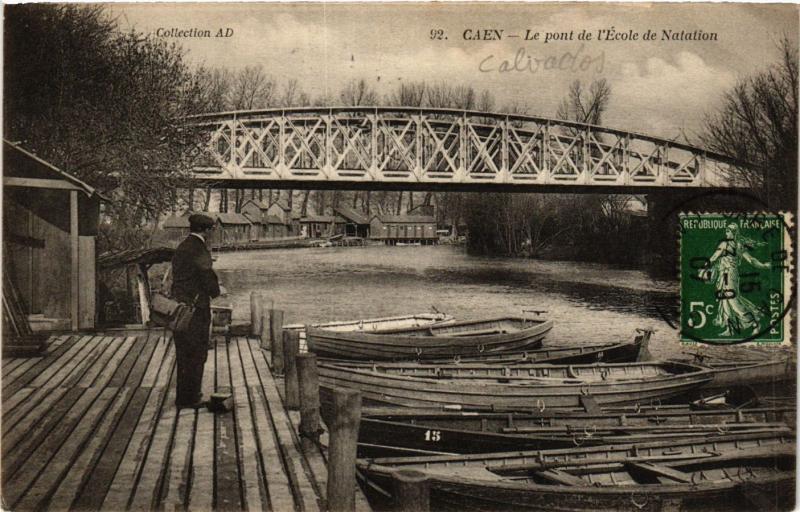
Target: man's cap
[198,220]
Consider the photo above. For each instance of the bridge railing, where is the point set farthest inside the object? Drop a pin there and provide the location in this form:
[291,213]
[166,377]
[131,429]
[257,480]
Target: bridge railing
[402,144]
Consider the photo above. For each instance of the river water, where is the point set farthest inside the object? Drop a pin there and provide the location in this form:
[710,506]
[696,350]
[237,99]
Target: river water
[587,302]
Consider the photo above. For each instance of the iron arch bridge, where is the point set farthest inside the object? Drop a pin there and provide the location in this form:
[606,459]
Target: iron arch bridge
[416,148]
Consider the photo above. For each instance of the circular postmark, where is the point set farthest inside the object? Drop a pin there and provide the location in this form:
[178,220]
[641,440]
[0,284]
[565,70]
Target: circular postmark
[735,277]
[735,269]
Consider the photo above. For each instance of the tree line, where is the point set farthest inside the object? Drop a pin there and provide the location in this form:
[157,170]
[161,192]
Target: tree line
[107,106]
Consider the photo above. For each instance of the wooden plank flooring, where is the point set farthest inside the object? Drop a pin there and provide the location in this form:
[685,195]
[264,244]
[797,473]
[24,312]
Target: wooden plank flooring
[91,425]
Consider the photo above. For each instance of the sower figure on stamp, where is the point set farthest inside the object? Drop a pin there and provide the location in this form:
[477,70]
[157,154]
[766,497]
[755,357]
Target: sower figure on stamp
[193,282]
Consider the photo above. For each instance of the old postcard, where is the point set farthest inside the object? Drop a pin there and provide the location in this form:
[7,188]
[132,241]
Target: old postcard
[399,256]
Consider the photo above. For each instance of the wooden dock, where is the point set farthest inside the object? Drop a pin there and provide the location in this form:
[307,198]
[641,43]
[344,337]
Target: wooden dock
[92,425]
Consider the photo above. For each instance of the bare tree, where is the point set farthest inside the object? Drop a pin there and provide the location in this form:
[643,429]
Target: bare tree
[252,88]
[408,95]
[757,124]
[358,92]
[585,106]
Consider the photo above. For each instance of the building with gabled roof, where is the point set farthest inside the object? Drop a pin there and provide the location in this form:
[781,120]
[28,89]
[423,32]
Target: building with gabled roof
[393,229]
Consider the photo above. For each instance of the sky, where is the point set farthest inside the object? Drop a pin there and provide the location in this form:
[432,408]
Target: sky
[659,87]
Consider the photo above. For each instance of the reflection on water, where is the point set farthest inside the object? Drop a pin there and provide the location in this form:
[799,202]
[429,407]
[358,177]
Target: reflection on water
[588,302]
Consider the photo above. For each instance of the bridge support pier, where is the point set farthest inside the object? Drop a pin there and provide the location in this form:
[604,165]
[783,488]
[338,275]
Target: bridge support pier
[664,206]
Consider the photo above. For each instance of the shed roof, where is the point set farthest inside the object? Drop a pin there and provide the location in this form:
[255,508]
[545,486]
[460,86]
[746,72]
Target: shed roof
[232,218]
[352,215]
[274,219]
[282,204]
[260,204]
[256,220]
[176,221]
[146,256]
[19,163]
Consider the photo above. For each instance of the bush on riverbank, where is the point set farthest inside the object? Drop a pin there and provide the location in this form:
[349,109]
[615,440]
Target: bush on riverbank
[571,227]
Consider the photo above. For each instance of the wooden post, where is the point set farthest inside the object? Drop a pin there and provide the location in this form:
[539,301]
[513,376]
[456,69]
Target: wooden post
[308,382]
[256,313]
[342,450]
[276,344]
[266,329]
[291,347]
[411,491]
[74,253]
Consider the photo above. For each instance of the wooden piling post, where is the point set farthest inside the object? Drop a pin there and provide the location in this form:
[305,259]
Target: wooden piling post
[276,346]
[308,382]
[342,450]
[411,491]
[256,312]
[266,329]
[291,347]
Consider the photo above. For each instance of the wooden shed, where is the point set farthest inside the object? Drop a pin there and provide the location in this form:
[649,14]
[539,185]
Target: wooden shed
[318,226]
[50,222]
[357,223]
[232,229]
[174,229]
[393,229]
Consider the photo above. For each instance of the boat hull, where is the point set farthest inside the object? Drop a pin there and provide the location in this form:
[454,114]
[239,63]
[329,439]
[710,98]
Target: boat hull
[433,342]
[401,390]
[452,432]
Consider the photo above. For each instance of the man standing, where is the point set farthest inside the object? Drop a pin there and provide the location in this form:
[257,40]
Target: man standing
[193,282]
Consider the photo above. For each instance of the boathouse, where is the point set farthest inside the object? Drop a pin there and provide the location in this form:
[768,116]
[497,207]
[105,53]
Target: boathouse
[281,210]
[174,229]
[50,222]
[232,229]
[319,226]
[393,229]
[256,213]
[356,223]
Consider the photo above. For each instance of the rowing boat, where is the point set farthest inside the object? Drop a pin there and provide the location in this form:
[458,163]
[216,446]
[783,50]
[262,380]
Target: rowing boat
[620,352]
[514,386]
[467,338]
[467,432]
[388,323]
[689,474]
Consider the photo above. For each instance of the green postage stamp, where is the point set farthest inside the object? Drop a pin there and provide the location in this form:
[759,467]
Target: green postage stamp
[735,275]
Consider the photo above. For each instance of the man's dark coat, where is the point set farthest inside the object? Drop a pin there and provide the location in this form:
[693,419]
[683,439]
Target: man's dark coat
[193,282]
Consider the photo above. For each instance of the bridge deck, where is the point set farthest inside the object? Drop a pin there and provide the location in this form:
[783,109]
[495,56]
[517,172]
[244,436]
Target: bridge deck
[92,425]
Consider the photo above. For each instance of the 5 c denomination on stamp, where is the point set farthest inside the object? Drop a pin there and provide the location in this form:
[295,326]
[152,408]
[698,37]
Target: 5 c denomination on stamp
[735,276]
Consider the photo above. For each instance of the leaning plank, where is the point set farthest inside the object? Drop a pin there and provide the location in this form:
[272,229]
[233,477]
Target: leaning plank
[227,481]
[56,451]
[146,494]
[98,480]
[177,474]
[283,427]
[9,363]
[252,480]
[201,493]
[67,489]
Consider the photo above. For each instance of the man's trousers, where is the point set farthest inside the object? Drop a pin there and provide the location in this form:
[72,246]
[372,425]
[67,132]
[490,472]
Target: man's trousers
[191,351]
